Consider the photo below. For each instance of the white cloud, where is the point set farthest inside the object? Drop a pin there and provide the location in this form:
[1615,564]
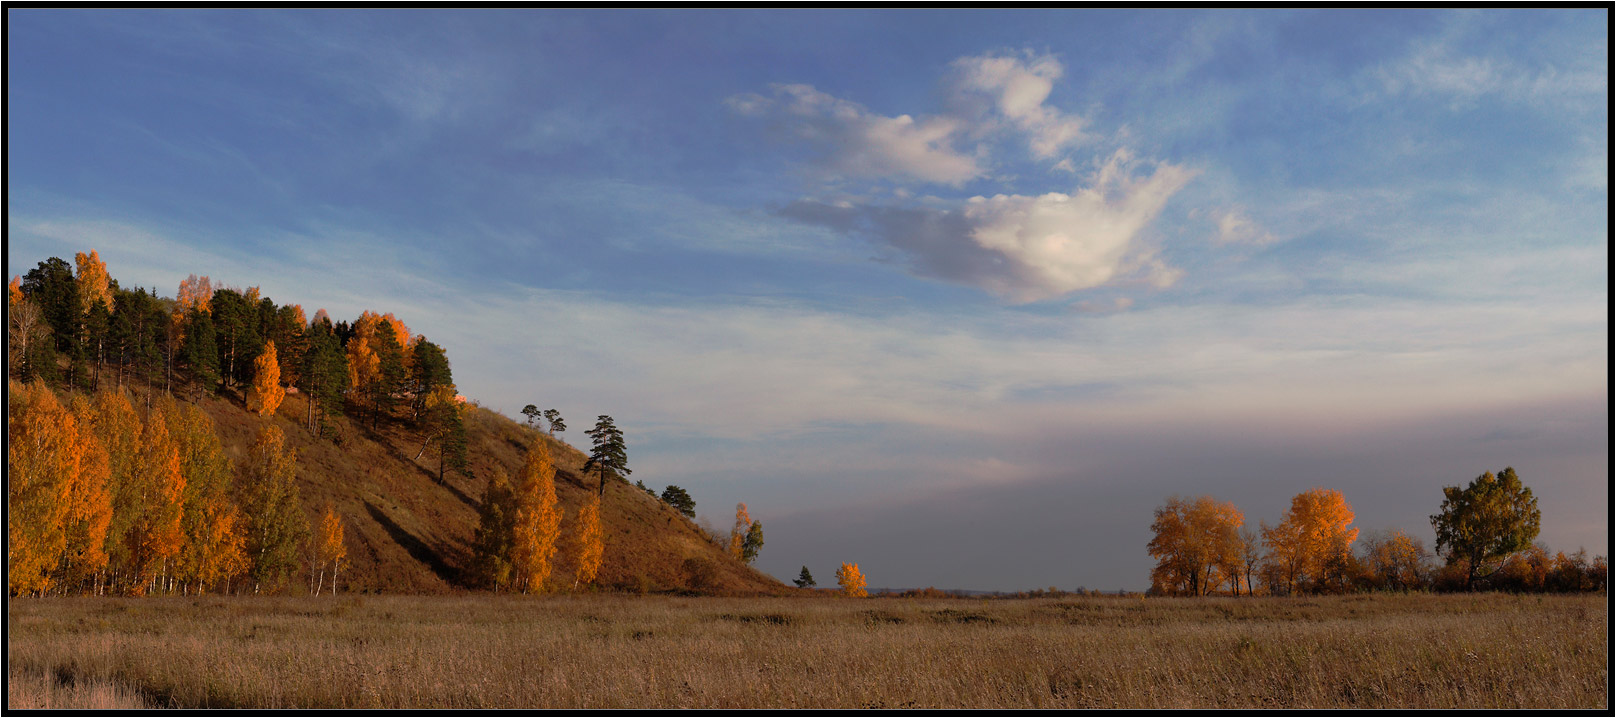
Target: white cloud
[1436,69]
[989,96]
[859,143]
[1067,242]
[1028,248]
[1235,227]
[1017,90]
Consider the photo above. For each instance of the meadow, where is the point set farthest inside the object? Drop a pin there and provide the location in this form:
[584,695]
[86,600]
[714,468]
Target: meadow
[625,651]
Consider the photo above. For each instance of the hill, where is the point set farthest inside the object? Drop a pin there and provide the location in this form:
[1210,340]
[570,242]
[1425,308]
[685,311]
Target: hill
[407,533]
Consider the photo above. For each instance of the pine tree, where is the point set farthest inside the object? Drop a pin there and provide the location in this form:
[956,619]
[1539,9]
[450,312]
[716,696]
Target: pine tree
[804,579]
[680,500]
[199,351]
[51,287]
[609,453]
[325,373]
[429,371]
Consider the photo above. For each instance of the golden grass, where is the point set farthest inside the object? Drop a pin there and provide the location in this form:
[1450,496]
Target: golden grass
[36,690]
[617,651]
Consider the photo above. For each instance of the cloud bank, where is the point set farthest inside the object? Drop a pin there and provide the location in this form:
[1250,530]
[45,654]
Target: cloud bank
[1020,247]
[1025,248]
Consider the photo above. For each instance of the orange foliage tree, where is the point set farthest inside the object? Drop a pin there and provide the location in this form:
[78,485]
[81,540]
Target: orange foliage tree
[157,492]
[92,280]
[538,521]
[42,459]
[851,580]
[194,293]
[266,393]
[1197,546]
[1395,561]
[1311,548]
[590,548]
[329,550]
[89,502]
[377,361]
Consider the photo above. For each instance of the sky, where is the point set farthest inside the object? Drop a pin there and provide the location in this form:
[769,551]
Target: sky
[960,296]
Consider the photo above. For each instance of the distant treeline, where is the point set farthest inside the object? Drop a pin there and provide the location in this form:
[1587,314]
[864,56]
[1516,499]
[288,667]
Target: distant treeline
[1485,541]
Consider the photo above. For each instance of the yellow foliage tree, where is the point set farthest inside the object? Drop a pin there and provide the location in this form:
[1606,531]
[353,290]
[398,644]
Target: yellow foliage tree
[93,283]
[214,547]
[42,459]
[330,550]
[1396,561]
[538,521]
[737,534]
[266,392]
[851,581]
[156,535]
[119,428]
[194,293]
[590,548]
[364,366]
[1197,546]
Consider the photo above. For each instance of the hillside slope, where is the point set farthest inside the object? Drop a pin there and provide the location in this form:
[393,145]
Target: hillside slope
[406,533]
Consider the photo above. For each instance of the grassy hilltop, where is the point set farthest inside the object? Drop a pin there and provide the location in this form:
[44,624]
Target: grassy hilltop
[406,533]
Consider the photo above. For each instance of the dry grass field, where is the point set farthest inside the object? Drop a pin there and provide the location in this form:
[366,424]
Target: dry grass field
[610,651]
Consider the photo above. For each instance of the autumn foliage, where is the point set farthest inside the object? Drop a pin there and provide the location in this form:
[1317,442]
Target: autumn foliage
[538,521]
[590,547]
[266,393]
[1197,546]
[851,580]
[329,549]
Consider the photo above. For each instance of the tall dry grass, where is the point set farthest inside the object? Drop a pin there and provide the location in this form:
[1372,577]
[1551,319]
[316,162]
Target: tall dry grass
[1416,651]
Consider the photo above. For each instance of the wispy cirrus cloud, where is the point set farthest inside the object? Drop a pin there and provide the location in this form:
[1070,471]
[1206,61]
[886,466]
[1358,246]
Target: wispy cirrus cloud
[855,142]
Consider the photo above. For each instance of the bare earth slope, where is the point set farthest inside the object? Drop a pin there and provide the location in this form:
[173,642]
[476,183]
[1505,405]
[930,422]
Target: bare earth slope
[406,533]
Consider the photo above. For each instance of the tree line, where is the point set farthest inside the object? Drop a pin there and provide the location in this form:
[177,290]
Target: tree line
[107,499]
[120,487]
[1485,535]
[114,351]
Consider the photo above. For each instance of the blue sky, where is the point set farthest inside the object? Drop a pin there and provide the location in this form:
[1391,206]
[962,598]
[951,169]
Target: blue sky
[961,296]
